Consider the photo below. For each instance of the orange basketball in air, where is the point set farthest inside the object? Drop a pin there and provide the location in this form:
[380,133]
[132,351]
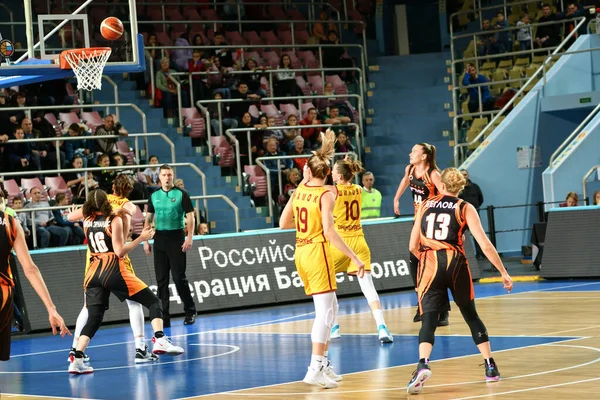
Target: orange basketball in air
[111,28]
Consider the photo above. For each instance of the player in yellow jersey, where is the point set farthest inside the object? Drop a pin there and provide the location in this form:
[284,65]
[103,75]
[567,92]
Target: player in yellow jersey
[310,211]
[122,187]
[346,216]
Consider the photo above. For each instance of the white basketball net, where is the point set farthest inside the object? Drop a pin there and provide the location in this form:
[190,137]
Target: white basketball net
[88,66]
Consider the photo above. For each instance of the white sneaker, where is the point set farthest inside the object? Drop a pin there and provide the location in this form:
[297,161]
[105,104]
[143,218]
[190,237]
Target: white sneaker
[384,334]
[328,371]
[335,332]
[144,356]
[164,346]
[78,367]
[318,378]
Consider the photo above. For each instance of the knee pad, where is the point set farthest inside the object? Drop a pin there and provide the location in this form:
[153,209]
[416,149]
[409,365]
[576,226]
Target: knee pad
[367,287]
[325,312]
[155,310]
[428,325]
[477,327]
[95,316]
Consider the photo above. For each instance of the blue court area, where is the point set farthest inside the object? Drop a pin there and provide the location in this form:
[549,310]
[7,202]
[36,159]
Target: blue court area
[217,361]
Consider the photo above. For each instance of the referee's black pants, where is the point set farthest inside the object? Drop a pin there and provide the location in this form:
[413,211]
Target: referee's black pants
[168,256]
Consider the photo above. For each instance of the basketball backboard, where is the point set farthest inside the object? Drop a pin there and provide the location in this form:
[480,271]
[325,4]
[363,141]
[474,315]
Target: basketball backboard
[66,27]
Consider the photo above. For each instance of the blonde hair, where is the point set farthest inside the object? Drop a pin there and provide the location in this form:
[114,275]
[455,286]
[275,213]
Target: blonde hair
[347,168]
[572,195]
[454,180]
[596,193]
[321,159]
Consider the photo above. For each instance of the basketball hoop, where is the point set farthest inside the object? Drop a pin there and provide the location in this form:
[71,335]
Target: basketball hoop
[87,64]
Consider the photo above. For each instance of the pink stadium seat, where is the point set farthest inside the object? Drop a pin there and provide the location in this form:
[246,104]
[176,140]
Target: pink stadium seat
[154,13]
[338,84]
[13,189]
[92,119]
[316,83]
[258,178]
[288,109]
[277,12]
[306,107]
[56,184]
[163,38]
[68,118]
[303,85]
[209,14]
[173,13]
[301,37]
[253,110]
[193,119]
[191,14]
[255,56]
[126,152]
[29,183]
[264,83]
[285,37]
[271,58]
[269,38]
[252,38]
[54,122]
[271,111]
[309,60]
[234,38]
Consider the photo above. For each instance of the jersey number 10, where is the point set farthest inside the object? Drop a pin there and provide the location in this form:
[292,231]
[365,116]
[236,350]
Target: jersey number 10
[437,228]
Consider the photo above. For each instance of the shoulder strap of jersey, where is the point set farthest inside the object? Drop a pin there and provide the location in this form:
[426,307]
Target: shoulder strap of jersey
[411,170]
[461,209]
[11,228]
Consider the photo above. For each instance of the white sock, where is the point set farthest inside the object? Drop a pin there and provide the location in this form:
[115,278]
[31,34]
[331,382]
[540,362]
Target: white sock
[140,343]
[136,319]
[81,321]
[316,362]
[378,315]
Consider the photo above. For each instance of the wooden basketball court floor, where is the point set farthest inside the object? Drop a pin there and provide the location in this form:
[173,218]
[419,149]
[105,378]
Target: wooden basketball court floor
[545,337]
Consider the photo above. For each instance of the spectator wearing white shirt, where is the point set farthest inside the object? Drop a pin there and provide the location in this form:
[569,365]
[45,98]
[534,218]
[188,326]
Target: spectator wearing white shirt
[45,225]
[151,174]
[524,33]
[286,81]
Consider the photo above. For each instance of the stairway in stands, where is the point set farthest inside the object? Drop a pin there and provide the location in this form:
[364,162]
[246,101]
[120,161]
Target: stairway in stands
[407,100]
[220,214]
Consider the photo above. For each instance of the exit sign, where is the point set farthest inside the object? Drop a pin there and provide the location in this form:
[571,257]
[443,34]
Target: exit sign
[584,100]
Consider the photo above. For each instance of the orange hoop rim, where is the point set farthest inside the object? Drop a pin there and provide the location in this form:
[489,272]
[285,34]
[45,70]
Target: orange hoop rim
[85,52]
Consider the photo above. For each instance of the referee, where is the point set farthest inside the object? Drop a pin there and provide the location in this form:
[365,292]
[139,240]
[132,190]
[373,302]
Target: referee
[171,205]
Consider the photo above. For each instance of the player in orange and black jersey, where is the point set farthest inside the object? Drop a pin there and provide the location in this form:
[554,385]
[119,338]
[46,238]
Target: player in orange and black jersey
[12,237]
[437,239]
[108,273]
[423,177]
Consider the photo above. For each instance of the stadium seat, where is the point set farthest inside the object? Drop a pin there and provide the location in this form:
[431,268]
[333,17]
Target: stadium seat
[301,37]
[235,38]
[303,85]
[269,38]
[50,117]
[92,119]
[137,221]
[57,184]
[125,151]
[191,14]
[288,109]
[271,58]
[253,110]
[68,118]
[13,190]
[195,122]
[258,179]
[316,83]
[271,111]
[29,183]
[252,38]
[306,107]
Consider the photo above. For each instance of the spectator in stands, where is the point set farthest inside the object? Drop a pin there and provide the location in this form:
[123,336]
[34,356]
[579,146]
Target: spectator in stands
[573,11]
[325,24]
[239,107]
[253,80]
[596,198]
[293,179]
[310,135]
[572,200]
[342,145]
[20,100]
[53,93]
[334,118]
[105,177]
[60,216]
[286,85]
[471,78]
[218,82]
[20,154]
[151,175]
[472,194]
[80,147]
[43,125]
[154,54]
[486,44]
[198,87]
[371,197]
[228,121]
[168,91]
[224,55]
[179,183]
[333,57]
[255,146]
[47,231]
[547,35]
[198,43]
[290,134]
[22,216]
[323,104]
[39,150]
[203,229]
[276,166]
[5,120]
[524,33]
[181,56]
[261,126]
[277,134]
[111,127]
[76,180]
[503,38]
[299,150]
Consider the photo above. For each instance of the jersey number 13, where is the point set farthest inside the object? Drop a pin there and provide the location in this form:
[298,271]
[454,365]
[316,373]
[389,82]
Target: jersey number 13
[437,226]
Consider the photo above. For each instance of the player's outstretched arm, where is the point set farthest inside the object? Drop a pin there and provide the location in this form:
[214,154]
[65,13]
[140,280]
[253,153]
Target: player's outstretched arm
[327,204]
[75,214]
[487,247]
[118,240]
[32,273]
[401,188]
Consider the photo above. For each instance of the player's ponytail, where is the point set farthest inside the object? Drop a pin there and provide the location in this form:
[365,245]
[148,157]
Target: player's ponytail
[319,162]
[429,151]
[97,202]
[347,168]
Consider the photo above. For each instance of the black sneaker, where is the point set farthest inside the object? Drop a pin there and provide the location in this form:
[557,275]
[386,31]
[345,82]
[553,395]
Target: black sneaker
[491,371]
[421,374]
[144,356]
[443,319]
[417,317]
[86,358]
[189,319]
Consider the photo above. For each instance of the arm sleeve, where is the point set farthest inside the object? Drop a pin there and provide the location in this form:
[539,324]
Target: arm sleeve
[186,202]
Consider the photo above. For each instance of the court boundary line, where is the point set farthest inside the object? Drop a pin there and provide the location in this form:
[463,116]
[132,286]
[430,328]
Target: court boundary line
[236,391]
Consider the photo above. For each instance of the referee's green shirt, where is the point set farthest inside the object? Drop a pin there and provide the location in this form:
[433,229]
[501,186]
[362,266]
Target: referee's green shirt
[169,208]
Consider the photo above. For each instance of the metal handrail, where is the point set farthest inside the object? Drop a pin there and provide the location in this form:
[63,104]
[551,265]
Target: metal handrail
[512,100]
[231,135]
[259,162]
[58,139]
[575,132]
[566,54]
[177,84]
[12,20]
[274,21]
[363,60]
[115,168]
[585,178]
[138,110]
[517,28]
[236,210]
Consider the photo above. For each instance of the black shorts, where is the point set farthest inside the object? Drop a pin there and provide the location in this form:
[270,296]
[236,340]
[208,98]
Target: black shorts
[6,317]
[108,274]
[440,270]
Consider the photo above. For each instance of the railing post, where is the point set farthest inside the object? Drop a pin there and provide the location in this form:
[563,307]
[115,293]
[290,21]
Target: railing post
[540,211]
[491,224]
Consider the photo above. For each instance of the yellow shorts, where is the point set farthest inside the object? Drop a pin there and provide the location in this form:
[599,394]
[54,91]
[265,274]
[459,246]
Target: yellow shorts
[126,262]
[342,263]
[315,267]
